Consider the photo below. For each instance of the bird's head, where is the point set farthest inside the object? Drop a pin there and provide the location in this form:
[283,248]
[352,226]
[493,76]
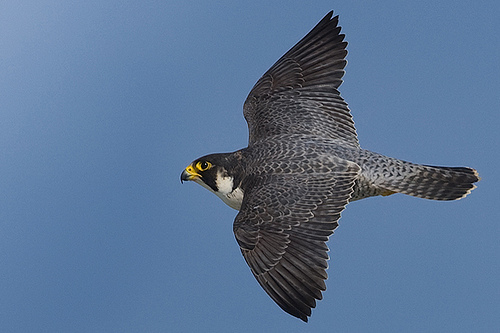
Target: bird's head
[204,172]
[218,173]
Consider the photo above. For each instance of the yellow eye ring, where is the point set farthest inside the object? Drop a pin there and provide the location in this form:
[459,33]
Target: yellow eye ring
[203,165]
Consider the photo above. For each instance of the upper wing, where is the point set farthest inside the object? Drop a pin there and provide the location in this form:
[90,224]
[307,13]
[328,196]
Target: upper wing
[298,94]
[282,229]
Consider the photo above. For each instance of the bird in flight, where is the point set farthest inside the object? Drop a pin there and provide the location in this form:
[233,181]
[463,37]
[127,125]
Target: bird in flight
[302,166]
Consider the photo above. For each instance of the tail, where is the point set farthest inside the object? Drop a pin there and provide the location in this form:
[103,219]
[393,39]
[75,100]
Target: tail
[431,182]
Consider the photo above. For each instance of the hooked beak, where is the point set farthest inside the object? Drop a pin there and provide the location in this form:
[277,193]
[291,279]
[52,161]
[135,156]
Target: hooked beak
[189,174]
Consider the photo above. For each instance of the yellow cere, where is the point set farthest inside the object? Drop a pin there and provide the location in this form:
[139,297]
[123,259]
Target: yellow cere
[191,171]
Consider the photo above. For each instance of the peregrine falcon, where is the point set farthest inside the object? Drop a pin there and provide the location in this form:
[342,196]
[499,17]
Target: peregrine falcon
[302,166]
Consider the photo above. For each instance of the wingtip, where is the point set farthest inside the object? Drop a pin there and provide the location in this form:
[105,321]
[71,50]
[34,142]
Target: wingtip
[329,17]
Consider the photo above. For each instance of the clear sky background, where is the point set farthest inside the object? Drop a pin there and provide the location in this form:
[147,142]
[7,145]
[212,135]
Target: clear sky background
[103,103]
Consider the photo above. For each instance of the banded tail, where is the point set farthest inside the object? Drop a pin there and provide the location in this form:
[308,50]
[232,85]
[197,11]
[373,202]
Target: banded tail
[431,182]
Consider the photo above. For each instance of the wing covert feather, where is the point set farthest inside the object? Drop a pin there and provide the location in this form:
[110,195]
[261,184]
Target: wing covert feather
[284,240]
[298,94]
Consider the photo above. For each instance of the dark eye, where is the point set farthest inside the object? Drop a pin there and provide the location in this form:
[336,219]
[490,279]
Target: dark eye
[203,165]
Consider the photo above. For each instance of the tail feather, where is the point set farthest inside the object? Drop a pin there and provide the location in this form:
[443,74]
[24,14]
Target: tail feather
[434,182]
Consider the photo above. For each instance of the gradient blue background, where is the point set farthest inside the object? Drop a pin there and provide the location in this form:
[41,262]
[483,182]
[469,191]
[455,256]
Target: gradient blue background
[103,103]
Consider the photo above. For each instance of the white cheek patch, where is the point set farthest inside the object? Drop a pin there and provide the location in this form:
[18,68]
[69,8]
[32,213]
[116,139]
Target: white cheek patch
[225,191]
[224,184]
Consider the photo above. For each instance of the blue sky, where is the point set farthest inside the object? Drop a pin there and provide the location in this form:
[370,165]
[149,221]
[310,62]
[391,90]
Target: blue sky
[103,103]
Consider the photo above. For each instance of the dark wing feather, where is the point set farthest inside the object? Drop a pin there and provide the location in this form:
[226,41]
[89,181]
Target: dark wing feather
[298,94]
[282,229]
